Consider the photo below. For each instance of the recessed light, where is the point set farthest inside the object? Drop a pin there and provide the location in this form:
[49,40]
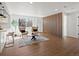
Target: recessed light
[56,9]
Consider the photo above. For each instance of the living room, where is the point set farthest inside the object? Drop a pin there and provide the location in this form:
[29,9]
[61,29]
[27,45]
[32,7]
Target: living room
[39,28]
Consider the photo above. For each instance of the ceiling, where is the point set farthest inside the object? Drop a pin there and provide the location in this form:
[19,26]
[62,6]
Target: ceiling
[41,8]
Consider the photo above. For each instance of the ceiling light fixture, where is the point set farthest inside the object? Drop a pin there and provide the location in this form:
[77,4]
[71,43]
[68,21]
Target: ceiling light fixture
[56,9]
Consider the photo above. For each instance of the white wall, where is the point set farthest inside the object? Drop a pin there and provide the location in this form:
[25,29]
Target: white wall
[64,25]
[71,25]
[70,22]
[77,26]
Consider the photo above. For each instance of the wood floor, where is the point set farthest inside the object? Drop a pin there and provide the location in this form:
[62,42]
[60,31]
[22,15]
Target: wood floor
[55,46]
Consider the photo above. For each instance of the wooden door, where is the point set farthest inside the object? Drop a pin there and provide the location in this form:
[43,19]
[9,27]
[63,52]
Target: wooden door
[59,24]
[46,25]
[53,24]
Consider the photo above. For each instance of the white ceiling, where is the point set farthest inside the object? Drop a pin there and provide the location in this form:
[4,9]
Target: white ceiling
[41,8]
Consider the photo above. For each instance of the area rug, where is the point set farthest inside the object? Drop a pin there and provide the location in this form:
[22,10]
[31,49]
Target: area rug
[27,40]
